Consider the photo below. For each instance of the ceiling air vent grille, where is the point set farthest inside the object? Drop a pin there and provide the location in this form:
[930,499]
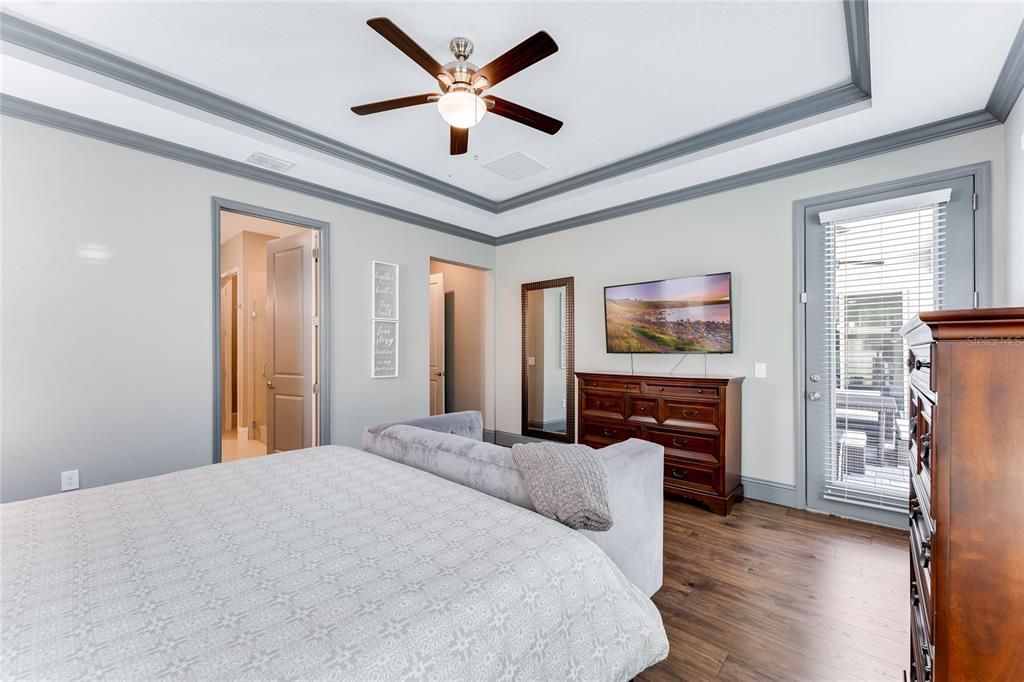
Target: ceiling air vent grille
[269,162]
[515,166]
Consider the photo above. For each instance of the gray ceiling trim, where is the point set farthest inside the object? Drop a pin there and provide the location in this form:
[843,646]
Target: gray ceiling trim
[56,118]
[775,117]
[58,46]
[1010,82]
[858,42]
[52,44]
[859,150]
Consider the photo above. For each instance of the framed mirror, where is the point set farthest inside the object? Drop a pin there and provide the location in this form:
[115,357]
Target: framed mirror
[549,404]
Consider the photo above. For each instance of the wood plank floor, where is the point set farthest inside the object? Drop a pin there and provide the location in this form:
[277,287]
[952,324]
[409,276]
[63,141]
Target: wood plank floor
[771,593]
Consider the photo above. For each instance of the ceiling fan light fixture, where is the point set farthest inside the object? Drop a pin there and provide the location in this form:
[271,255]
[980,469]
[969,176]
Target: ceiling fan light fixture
[461,108]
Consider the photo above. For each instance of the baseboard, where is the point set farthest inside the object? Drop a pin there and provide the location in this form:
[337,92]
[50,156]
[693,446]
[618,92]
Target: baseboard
[769,491]
[507,439]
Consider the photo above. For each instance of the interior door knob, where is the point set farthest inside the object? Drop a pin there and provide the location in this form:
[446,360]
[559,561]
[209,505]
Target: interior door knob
[270,384]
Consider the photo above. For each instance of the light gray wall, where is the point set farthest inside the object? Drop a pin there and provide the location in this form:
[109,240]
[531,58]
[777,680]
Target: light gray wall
[748,231]
[107,364]
[1013,132]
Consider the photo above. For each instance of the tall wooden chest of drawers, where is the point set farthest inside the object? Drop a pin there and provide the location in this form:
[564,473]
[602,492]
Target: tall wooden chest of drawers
[696,419]
[967,494]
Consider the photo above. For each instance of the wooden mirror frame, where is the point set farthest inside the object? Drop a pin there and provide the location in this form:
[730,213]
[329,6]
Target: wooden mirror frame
[570,364]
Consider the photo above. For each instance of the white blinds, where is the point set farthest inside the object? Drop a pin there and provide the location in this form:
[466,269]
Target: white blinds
[884,262]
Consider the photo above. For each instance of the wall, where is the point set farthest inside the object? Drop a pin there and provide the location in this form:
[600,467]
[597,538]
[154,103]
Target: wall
[748,231]
[114,245]
[467,294]
[1013,132]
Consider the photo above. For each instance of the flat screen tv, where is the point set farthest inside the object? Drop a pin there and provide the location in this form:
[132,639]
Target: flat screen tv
[682,315]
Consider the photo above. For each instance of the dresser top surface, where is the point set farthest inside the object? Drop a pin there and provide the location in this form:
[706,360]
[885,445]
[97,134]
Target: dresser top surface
[650,375]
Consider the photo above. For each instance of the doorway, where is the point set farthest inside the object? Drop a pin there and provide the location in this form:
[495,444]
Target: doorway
[871,260]
[270,349]
[458,303]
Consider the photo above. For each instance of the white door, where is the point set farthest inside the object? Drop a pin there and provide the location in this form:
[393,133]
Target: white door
[227,341]
[437,344]
[290,342]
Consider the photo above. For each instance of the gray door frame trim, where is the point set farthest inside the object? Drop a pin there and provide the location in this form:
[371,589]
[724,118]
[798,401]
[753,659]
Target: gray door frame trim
[62,120]
[982,173]
[219,204]
[66,49]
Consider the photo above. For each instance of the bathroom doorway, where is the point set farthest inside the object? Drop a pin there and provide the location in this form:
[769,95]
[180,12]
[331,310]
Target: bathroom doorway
[271,349]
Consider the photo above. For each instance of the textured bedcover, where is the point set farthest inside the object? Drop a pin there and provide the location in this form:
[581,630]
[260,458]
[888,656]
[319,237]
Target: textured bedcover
[322,563]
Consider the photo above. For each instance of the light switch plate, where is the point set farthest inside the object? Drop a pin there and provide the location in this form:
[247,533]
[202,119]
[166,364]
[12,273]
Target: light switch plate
[760,370]
[69,480]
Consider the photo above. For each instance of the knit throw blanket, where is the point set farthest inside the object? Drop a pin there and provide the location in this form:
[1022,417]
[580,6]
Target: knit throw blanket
[566,483]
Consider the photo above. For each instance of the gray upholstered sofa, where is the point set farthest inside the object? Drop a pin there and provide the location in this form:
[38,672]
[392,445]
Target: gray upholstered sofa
[451,446]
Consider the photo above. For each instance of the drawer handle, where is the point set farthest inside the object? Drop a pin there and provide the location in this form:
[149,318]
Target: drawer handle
[926,553]
[915,598]
[642,408]
[609,433]
[661,388]
[602,404]
[676,473]
[926,447]
[919,365]
[700,390]
[915,509]
[678,444]
[690,413]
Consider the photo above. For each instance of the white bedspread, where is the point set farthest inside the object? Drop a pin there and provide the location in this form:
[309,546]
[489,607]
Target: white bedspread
[322,563]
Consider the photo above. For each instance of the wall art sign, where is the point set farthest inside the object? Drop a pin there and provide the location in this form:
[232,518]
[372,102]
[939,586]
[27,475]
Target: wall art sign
[385,291]
[385,349]
[384,320]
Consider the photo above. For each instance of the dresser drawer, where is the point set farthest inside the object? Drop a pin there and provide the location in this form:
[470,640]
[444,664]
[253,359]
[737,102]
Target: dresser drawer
[599,434]
[681,474]
[674,390]
[603,405]
[616,385]
[688,446]
[921,566]
[690,414]
[642,410]
[922,653]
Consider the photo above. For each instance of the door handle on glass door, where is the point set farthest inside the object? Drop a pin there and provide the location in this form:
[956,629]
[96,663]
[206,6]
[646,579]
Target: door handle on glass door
[814,395]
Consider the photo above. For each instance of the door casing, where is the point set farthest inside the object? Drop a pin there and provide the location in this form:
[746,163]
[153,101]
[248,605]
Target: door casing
[982,173]
[323,364]
[436,366]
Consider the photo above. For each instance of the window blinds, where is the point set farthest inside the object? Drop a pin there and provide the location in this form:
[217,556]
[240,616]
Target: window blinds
[884,263]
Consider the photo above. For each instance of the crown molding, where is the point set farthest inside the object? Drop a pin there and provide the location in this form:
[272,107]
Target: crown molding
[62,120]
[929,132]
[58,46]
[858,42]
[1010,82]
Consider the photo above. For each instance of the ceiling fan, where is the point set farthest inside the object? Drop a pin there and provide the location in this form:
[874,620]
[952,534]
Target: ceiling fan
[461,102]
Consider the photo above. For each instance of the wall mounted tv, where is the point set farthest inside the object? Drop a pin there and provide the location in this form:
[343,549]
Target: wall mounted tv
[683,315]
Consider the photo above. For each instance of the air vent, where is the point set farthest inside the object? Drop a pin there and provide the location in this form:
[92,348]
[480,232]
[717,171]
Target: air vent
[515,166]
[269,162]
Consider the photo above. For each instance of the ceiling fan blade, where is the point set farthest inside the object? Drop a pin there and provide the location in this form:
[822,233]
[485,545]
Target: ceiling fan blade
[459,141]
[399,103]
[529,52]
[399,39]
[528,117]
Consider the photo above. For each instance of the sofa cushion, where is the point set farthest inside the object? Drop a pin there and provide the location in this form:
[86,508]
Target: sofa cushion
[483,466]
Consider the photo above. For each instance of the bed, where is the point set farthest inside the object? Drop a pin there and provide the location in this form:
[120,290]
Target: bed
[327,563]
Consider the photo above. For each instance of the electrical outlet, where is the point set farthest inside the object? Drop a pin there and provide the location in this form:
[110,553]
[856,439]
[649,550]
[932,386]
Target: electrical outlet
[760,370]
[69,480]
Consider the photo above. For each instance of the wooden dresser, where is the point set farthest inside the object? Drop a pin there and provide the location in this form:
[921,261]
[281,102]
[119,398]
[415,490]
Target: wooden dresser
[967,494]
[696,419]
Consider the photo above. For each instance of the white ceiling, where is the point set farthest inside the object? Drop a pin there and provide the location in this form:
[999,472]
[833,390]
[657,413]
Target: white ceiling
[628,77]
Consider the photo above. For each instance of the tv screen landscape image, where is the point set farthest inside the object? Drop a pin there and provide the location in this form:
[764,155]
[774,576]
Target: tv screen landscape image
[684,315]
